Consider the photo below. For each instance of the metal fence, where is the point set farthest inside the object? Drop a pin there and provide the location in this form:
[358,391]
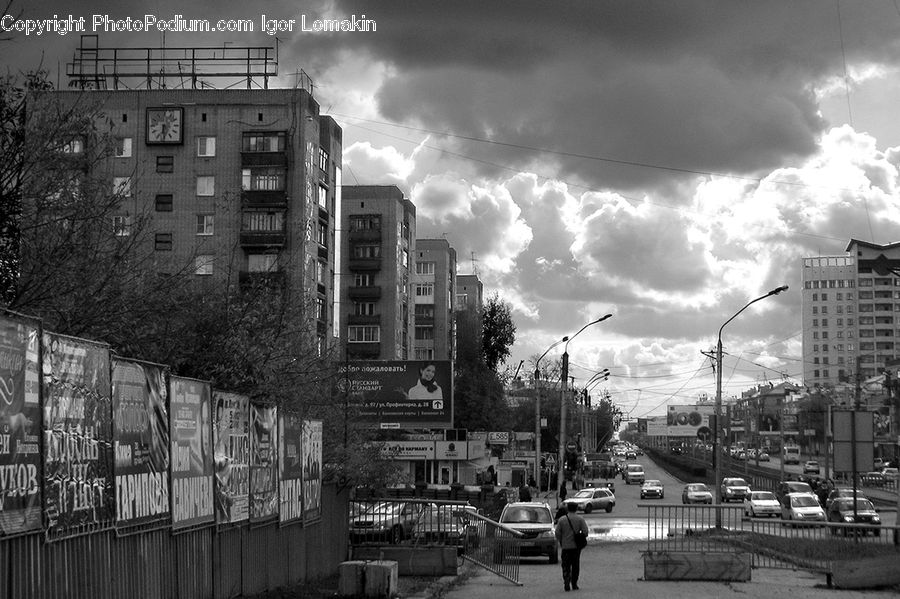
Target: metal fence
[204,563]
[433,522]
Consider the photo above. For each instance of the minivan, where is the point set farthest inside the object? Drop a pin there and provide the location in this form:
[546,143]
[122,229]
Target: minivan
[634,474]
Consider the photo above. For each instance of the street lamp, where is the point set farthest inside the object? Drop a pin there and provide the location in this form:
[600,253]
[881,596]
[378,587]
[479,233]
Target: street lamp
[537,417]
[717,459]
[562,403]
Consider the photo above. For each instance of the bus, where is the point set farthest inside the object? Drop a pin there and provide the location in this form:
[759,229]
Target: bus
[791,454]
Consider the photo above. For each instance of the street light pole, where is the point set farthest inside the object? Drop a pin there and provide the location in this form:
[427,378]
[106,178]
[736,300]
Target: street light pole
[562,403]
[537,417]
[717,458]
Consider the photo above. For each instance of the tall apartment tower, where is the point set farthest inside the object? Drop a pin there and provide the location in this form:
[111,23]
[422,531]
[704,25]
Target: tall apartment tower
[240,183]
[375,283]
[434,284]
[849,304]
[469,292]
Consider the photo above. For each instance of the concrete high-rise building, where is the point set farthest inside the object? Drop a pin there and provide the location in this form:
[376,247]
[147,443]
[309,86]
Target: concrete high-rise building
[239,183]
[434,284]
[379,226]
[849,307]
[469,292]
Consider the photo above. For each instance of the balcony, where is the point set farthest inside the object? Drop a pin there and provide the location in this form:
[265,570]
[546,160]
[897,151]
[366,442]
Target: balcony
[263,238]
[269,279]
[370,292]
[267,199]
[365,235]
[365,264]
[250,159]
[367,319]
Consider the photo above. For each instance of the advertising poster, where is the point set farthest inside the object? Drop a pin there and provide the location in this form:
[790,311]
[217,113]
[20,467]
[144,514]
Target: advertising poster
[263,462]
[193,468]
[400,394]
[311,448]
[231,435]
[140,442]
[20,428]
[79,491]
[689,420]
[290,433]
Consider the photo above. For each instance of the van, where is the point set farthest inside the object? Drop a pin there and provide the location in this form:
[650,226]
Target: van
[634,474]
[791,454]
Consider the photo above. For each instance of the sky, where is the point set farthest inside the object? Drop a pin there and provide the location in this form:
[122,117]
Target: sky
[664,162]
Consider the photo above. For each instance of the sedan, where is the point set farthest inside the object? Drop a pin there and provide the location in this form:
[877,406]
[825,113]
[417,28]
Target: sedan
[811,467]
[802,507]
[652,488]
[696,493]
[733,489]
[763,457]
[593,498]
[761,503]
[841,510]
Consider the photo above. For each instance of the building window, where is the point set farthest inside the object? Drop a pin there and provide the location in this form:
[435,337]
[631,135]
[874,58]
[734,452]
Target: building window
[165,164]
[76,146]
[206,146]
[203,265]
[322,234]
[262,179]
[163,242]
[262,262]
[824,297]
[363,334]
[424,333]
[424,289]
[365,223]
[121,225]
[321,272]
[815,310]
[122,186]
[363,280]
[164,202]
[321,309]
[815,297]
[424,311]
[206,185]
[824,322]
[323,160]
[364,308]
[425,268]
[424,353]
[123,147]
[323,197]
[263,221]
[204,224]
[263,142]
[815,322]
[366,251]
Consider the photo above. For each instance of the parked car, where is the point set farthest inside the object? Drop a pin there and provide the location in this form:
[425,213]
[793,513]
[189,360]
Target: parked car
[652,488]
[890,474]
[801,507]
[763,457]
[535,521]
[593,498]
[811,467]
[733,489]
[841,510]
[448,525]
[390,521]
[761,503]
[788,487]
[631,455]
[633,474]
[696,493]
[873,479]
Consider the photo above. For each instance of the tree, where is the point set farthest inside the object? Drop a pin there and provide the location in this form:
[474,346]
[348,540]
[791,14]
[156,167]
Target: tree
[499,332]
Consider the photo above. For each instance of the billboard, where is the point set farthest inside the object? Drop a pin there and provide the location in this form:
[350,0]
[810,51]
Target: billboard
[400,394]
[263,462]
[311,455]
[20,428]
[689,420]
[140,442]
[231,430]
[290,464]
[79,492]
[190,427]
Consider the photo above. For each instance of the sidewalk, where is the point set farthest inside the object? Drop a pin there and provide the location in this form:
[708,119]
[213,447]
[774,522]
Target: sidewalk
[616,569]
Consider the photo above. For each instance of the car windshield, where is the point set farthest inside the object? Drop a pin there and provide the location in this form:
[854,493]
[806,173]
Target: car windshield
[586,493]
[861,505]
[799,488]
[652,483]
[804,501]
[735,482]
[697,488]
[635,468]
[762,496]
[527,515]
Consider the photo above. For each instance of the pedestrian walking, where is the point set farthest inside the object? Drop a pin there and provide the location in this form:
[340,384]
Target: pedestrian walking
[566,527]
[524,493]
[562,492]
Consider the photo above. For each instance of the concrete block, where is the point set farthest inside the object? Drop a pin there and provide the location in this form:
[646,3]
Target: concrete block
[381,579]
[351,578]
[696,565]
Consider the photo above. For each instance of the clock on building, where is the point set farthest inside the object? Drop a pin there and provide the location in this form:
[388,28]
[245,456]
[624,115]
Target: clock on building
[164,125]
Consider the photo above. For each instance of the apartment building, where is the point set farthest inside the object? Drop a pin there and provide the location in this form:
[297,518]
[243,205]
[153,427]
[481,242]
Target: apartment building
[434,284]
[375,280]
[850,305]
[240,184]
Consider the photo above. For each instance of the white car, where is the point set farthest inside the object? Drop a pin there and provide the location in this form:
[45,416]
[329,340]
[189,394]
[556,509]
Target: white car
[802,507]
[593,498]
[761,503]
[696,493]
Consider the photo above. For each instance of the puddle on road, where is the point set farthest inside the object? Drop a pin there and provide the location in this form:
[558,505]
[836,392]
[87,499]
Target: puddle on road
[625,530]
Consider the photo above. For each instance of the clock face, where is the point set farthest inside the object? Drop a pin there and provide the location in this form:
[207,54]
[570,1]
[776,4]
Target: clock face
[164,125]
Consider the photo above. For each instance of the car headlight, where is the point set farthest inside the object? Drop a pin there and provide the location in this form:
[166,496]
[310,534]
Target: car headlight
[876,519]
[848,518]
[548,533]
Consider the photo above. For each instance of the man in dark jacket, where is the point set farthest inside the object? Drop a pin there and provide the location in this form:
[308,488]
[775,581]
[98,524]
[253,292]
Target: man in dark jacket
[571,554]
